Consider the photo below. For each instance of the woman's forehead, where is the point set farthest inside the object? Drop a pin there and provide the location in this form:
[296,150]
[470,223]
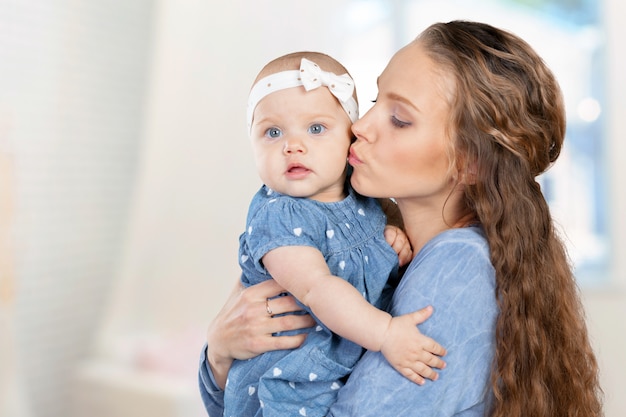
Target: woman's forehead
[415,76]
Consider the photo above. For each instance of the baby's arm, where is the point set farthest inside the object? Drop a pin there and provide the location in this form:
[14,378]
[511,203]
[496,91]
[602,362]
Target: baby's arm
[399,242]
[303,271]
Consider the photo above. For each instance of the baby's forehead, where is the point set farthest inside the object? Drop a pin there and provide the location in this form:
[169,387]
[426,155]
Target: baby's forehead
[299,100]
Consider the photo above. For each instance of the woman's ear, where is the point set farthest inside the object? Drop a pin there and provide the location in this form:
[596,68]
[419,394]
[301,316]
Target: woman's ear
[468,174]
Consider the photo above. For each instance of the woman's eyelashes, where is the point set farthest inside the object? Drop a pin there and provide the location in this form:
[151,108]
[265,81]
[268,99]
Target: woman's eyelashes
[399,123]
[394,120]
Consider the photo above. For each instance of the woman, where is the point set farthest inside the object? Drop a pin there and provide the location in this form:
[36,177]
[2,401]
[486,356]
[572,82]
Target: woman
[467,116]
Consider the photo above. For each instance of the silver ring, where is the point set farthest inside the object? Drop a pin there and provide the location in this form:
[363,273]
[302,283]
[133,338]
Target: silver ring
[267,307]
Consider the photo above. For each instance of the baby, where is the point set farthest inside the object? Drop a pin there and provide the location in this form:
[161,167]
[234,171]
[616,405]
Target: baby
[321,241]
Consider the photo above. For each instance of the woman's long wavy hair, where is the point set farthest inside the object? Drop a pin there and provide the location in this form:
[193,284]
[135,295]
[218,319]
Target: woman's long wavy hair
[507,127]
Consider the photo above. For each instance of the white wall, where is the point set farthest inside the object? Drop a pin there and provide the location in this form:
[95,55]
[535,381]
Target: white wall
[71,94]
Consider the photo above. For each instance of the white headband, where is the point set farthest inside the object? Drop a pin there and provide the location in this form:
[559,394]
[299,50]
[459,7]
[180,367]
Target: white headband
[310,76]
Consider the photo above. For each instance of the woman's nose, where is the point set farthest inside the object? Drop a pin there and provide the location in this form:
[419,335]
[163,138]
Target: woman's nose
[359,128]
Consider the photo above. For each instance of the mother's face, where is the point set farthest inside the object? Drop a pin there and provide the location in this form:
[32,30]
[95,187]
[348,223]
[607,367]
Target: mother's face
[402,146]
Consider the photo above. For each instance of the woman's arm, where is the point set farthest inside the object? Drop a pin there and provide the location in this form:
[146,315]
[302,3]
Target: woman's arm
[243,328]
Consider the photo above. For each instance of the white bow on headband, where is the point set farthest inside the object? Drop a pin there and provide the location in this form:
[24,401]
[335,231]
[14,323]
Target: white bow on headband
[341,86]
[310,76]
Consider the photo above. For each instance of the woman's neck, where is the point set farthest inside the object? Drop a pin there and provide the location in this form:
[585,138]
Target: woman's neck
[421,229]
[422,223]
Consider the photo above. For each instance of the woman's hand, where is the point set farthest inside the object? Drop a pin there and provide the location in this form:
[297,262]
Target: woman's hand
[244,326]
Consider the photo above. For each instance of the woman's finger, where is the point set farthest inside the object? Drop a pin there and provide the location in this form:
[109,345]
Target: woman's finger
[290,322]
[283,304]
[286,342]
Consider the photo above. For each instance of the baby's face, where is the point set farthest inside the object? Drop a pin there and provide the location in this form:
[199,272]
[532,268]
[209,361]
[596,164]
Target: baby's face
[300,141]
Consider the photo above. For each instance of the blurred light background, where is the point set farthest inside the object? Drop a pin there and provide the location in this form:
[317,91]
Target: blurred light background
[125,176]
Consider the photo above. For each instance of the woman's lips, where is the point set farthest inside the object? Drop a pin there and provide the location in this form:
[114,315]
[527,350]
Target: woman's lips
[353,159]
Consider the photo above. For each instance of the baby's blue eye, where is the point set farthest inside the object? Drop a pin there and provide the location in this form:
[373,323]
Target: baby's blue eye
[316,129]
[273,132]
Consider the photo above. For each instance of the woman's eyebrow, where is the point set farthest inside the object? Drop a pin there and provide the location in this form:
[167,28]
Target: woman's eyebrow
[397,97]
[402,99]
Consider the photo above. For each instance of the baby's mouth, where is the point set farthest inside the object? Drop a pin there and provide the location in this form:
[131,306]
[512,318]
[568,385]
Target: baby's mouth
[296,168]
[297,171]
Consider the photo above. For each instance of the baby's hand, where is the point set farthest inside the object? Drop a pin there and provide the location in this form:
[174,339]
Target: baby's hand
[411,353]
[399,241]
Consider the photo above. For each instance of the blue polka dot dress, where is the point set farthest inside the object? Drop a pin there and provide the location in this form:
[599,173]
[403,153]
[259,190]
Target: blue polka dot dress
[349,233]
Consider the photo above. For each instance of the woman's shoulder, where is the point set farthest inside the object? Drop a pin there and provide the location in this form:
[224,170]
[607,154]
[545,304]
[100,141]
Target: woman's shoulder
[454,263]
[467,244]
[453,274]
[471,235]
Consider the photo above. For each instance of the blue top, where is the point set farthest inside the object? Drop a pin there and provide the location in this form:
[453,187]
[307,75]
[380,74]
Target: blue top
[453,273]
[350,235]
